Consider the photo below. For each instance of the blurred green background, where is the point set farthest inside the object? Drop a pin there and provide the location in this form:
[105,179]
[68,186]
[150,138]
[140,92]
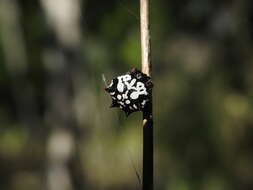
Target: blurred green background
[56,130]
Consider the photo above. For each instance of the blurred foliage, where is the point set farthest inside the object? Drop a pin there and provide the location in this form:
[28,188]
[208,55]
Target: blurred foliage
[203,95]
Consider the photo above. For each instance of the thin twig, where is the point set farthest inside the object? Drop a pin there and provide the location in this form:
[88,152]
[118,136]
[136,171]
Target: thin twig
[104,80]
[147,183]
[135,169]
[129,10]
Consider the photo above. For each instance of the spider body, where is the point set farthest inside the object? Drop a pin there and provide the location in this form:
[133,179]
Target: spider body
[130,92]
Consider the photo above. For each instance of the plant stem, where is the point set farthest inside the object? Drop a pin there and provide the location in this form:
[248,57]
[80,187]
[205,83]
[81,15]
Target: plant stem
[145,38]
[147,183]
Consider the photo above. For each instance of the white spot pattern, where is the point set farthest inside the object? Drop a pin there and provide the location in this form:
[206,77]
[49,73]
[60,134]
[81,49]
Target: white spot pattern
[119,97]
[120,86]
[129,92]
[140,88]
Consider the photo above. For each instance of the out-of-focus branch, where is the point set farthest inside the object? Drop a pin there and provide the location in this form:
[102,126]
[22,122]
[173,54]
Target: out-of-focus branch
[15,56]
[64,19]
[12,38]
[61,58]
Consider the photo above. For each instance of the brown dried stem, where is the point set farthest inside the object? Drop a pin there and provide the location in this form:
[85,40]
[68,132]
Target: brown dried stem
[147,183]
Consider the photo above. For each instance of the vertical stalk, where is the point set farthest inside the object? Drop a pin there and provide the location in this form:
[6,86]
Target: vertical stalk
[147,183]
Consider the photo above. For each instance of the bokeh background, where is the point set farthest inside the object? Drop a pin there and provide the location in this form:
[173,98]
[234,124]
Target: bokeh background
[56,130]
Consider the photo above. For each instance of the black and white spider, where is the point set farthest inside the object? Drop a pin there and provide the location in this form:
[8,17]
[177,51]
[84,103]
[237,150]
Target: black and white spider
[130,92]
